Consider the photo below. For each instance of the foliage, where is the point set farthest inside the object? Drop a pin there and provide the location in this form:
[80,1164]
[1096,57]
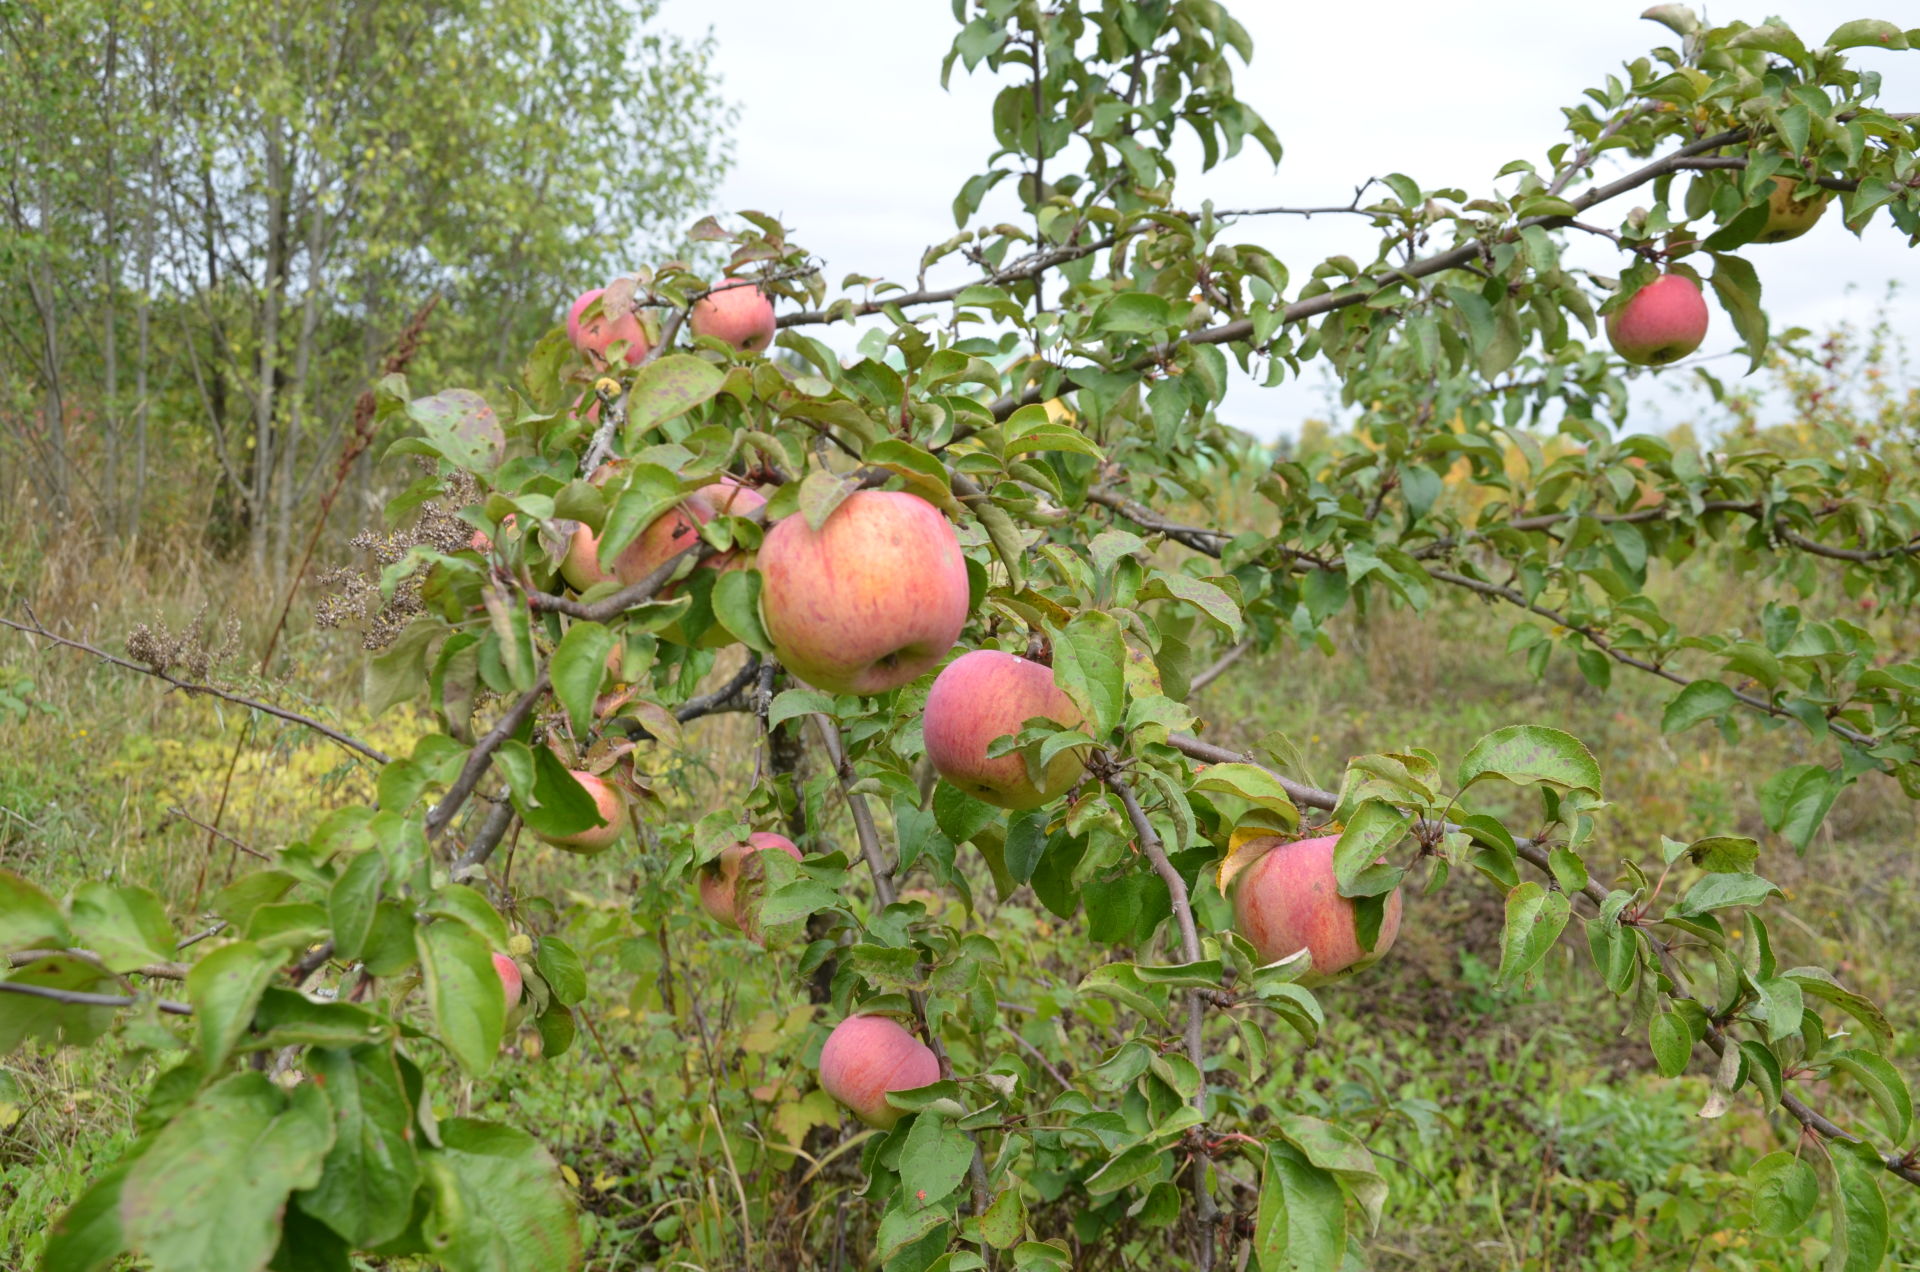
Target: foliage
[1067,395]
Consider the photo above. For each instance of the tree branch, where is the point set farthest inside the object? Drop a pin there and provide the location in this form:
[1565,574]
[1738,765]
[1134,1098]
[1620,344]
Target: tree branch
[193,687]
[1538,857]
[75,998]
[1149,841]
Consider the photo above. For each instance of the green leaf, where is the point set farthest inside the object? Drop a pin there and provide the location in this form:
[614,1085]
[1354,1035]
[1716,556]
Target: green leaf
[1780,1006]
[461,426]
[1026,841]
[560,805]
[469,1011]
[578,667]
[1003,1222]
[561,968]
[29,919]
[1535,918]
[1717,891]
[1701,700]
[736,604]
[1738,287]
[23,1016]
[353,901]
[670,385]
[1049,436]
[1526,754]
[366,1186]
[1872,33]
[1336,1149]
[1819,983]
[1212,600]
[1884,1085]
[1672,1044]
[208,1193]
[125,925]
[89,1237]
[1783,1193]
[1009,544]
[1374,827]
[1859,1209]
[792,703]
[821,493]
[224,988]
[1252,783]
[1794,801]
[933,1160]
[1127,1168]
[1089,665]
[499,1203]
[458,901]
[1301,1225]
[1724,854]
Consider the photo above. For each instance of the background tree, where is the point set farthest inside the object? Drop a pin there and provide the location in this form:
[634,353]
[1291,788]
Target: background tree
[1028,468]
[221,216]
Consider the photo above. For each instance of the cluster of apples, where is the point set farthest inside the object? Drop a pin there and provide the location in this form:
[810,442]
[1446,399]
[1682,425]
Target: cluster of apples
[871,600]
[1667,319]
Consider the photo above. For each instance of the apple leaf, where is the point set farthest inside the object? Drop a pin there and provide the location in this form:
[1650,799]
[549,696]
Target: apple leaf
[224,987]
[464,991]
[670,385]
[933,1161]
[1302,1219]
[1784,1192]
[1738,287]
[29,918]
[1528,754]
[498,1201]
[209,1192]
[1872,33]
[736,604]
[1535,918]
[366,1185]
[352,902]
[578,667]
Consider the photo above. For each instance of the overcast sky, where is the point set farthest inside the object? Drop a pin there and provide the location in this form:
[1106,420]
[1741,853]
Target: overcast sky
[846,134]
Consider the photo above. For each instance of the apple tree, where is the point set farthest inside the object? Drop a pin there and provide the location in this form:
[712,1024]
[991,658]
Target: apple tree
[963,581]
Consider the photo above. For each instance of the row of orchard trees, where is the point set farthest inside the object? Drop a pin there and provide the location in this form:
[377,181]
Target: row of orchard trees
[1002,484]
[219,214]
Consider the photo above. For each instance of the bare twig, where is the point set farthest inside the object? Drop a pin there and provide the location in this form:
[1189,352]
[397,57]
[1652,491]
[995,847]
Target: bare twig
[155,971]
[192,687]
[74,998]
[185,816]
[1220,667]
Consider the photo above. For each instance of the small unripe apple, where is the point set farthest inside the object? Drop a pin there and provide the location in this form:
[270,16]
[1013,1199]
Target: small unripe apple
[738,313]
[509,978]
[985,695]
[720,879]
[612,805]
[1289,900]
[1663,321]
[871,600]
[1788,217]
[596,334]
[867,1056]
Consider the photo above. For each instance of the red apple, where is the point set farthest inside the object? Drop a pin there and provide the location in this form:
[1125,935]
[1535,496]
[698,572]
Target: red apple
[986,695]
[594,335]
[1665,320]
[1289,900]
[867,1056]
[738,313]
[509,978]
[673,532]
[581,566]
[1788,217]
[613,810]
[871,600]
[720,879]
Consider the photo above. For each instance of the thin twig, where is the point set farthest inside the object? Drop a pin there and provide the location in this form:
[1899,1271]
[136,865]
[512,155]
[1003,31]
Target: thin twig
[193,687]
[185,816]
[74,998]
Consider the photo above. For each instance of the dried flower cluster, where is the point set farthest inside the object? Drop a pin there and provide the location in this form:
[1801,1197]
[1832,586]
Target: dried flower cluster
[352,593]
[185,651]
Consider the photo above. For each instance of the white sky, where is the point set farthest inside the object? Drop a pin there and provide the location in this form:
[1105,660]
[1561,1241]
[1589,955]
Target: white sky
[846,134]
